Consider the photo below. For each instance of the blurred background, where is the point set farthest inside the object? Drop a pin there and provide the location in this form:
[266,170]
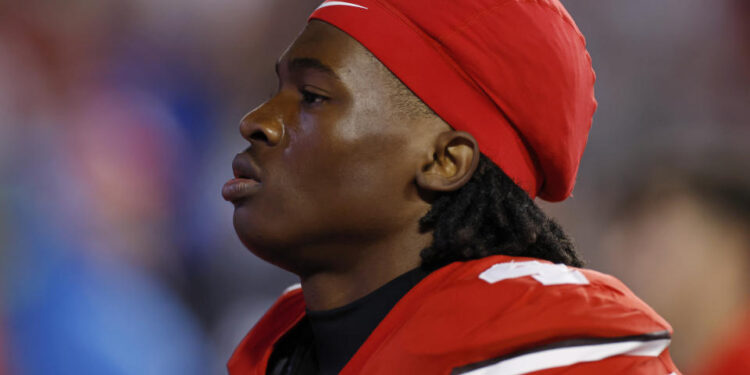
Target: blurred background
[119,121]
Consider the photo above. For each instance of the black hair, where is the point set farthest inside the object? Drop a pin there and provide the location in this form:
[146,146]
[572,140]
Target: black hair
[492,215]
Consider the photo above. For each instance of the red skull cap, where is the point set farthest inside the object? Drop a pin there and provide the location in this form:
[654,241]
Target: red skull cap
[513,73]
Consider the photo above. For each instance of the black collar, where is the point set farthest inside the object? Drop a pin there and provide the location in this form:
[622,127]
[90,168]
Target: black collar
[340,332]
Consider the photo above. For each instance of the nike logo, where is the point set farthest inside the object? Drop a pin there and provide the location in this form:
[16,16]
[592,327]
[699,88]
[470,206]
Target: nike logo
[339,3]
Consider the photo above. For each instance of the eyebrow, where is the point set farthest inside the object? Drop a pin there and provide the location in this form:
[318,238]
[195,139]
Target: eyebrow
[302,63]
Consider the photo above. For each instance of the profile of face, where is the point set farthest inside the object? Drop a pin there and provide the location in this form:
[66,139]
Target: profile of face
[332,163]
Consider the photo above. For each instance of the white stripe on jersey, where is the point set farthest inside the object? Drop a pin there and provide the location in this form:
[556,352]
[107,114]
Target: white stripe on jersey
[567,356]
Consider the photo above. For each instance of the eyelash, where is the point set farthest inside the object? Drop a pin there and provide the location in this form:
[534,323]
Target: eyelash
[310,98]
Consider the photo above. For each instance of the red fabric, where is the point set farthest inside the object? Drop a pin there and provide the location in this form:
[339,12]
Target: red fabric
[513,73]
[251,356]
[452,319]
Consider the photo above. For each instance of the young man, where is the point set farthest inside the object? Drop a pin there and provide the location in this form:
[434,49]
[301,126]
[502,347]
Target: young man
[394,171]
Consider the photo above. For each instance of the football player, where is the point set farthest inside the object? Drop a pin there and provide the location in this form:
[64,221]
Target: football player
[395,171]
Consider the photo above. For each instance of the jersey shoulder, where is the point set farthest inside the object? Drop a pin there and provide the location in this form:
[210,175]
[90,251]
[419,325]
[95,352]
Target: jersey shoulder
[503,314]
[513,301]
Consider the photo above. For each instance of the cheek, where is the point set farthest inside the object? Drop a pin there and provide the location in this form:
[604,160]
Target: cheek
[335,175]
[351,157]
[362,182]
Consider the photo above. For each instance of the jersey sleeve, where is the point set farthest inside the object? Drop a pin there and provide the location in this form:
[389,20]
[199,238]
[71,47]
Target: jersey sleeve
[509,315]
[571,321]
[647,355]
[624,364]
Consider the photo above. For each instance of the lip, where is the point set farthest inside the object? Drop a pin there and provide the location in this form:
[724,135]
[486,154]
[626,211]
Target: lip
[246,179]
[239,188]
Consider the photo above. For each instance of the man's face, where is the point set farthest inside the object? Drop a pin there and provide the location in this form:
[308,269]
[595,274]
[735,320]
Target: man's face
[335,164]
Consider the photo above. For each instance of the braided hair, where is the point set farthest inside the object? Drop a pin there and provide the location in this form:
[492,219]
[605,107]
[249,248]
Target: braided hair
[492,215]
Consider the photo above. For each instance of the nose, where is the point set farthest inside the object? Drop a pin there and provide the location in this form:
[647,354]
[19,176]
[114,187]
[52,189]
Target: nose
[261,126]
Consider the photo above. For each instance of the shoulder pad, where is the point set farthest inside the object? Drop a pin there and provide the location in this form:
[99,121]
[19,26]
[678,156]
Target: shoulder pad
[507,303]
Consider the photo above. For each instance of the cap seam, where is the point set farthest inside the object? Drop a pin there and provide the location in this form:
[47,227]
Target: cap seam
[538,170]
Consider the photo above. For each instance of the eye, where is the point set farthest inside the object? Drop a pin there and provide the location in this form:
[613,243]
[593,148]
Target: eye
[310,98]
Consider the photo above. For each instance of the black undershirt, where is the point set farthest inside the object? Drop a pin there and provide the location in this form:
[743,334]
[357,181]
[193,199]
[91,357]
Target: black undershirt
[324,341]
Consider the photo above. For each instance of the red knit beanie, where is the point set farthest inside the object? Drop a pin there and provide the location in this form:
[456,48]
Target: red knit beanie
[513,73]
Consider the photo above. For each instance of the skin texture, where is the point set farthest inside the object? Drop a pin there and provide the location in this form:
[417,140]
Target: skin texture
[346,170]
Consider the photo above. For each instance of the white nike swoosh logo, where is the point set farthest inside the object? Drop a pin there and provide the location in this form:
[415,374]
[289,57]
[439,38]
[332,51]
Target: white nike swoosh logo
[339,3]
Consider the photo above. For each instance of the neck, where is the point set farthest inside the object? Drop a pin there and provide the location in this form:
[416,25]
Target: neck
[371,266]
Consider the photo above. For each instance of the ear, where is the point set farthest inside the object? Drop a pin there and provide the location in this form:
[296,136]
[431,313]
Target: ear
[451,162]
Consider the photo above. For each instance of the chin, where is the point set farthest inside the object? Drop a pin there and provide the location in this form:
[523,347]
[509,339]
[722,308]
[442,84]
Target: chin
[252,230]
[264,239]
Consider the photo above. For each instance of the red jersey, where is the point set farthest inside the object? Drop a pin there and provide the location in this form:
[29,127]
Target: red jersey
[492,316]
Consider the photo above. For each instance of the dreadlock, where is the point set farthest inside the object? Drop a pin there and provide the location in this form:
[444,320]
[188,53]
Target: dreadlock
[492,215]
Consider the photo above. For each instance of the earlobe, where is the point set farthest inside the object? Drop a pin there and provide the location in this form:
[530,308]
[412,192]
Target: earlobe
[451,164]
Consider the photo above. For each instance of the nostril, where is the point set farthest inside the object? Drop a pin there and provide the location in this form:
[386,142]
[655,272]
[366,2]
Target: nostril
[259,136]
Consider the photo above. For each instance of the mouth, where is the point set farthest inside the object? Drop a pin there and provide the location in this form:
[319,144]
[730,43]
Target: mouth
[246,181]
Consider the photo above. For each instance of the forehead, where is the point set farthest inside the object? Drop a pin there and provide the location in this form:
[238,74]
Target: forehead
[335,49]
